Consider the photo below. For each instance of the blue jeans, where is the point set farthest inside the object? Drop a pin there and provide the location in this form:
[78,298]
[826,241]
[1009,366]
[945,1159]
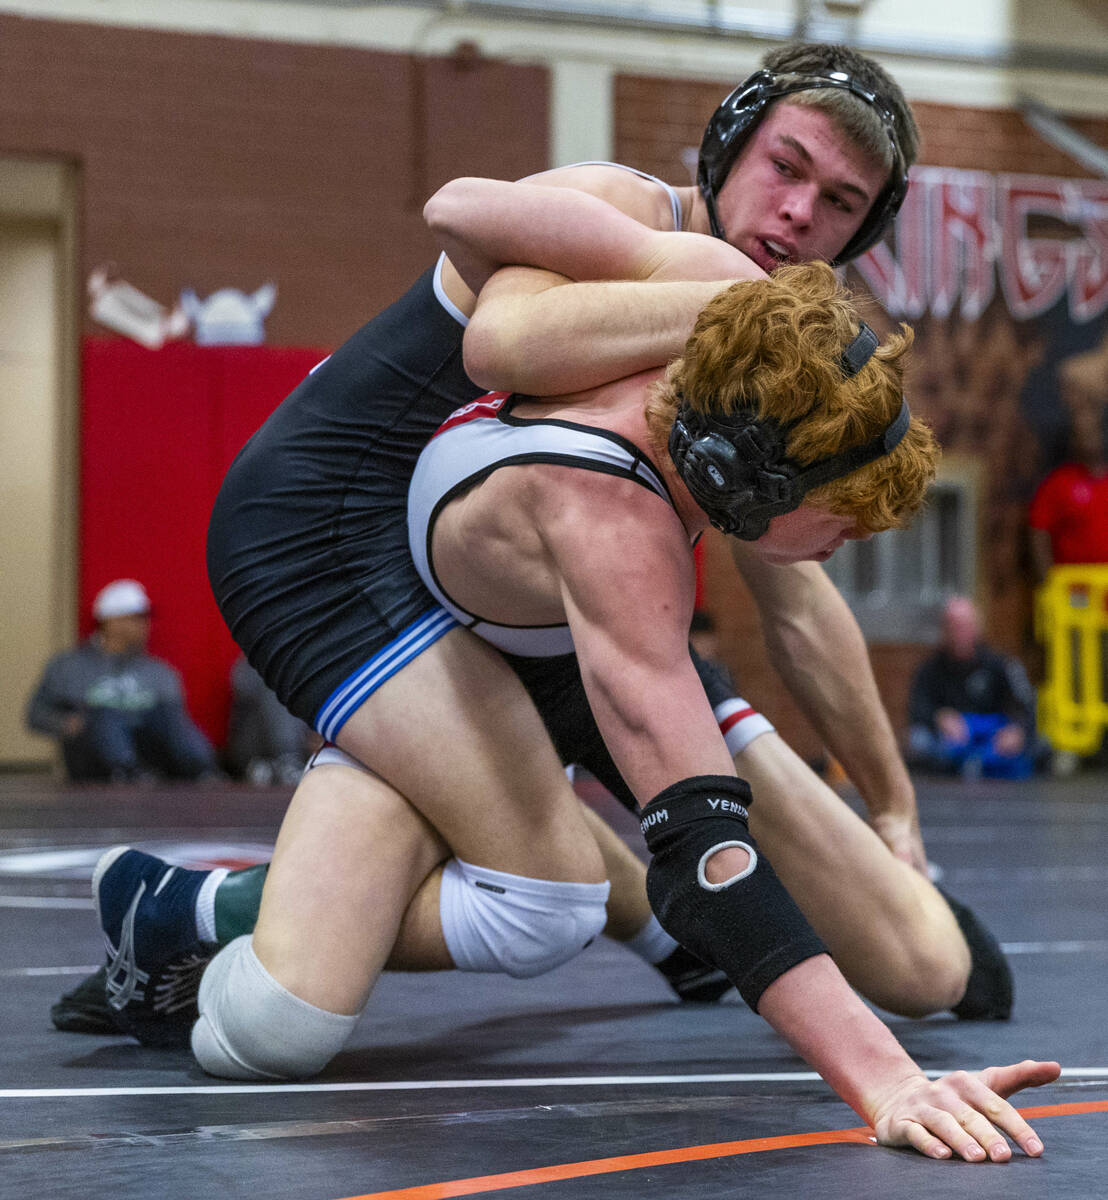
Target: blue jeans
[119,745]
[929,750]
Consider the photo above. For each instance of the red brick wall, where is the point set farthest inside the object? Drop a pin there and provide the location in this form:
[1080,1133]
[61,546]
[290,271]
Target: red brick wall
[211,162]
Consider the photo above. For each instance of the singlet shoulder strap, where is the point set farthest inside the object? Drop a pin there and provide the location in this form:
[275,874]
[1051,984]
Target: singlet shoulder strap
[442,297]
[671,192]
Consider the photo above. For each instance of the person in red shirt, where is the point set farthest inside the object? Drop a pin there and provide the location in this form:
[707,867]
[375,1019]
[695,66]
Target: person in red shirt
[1069,511]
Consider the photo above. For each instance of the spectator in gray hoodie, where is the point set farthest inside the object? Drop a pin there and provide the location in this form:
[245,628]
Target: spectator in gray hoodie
[118,712]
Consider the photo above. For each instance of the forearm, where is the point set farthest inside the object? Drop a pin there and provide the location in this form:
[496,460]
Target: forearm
[825,1022]
[568,311]
[818,649]
[532,342]
[483,224]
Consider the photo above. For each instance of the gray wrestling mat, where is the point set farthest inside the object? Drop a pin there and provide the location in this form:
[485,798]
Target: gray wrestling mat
[590,1082]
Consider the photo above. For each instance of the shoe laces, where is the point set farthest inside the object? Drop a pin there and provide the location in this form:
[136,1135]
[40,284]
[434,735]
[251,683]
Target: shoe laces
[178,983]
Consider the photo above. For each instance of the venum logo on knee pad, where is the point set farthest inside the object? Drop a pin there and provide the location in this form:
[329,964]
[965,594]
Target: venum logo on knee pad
[702,798]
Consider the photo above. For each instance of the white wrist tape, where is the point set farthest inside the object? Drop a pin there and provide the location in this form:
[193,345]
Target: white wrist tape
[740,724]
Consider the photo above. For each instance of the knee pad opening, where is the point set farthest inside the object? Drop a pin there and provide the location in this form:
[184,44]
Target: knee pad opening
[752,863]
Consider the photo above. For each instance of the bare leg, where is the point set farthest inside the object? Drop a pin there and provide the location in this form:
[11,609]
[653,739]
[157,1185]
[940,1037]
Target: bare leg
[891,933]
[456,732]
[351,856]
[628,907]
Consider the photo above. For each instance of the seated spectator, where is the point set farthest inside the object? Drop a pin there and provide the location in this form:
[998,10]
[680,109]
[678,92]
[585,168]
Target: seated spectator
[1069,511]
[265,742]
[118,712]
[971,710]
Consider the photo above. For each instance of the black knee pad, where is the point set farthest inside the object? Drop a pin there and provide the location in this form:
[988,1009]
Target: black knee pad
[750,928]
[988,995]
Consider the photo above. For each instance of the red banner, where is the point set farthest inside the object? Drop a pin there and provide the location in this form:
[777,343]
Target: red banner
[159,429]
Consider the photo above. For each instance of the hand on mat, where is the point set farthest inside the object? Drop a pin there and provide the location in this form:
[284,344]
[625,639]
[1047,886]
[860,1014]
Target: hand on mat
[962,1113]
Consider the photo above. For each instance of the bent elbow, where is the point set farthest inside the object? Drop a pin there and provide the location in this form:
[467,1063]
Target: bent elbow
[486,357]
[443,208]
[436,212]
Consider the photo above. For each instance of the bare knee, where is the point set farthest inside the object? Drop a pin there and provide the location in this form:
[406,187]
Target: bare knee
[927,973]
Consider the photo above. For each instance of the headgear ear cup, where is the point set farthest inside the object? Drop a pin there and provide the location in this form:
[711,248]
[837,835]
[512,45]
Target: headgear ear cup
[733,122]
[733,467]
[738,471]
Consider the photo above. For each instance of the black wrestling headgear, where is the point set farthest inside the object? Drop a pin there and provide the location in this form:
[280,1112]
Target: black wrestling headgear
[737,117]
[736,467]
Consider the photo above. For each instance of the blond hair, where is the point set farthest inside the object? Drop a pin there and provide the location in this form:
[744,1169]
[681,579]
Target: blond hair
[774,347]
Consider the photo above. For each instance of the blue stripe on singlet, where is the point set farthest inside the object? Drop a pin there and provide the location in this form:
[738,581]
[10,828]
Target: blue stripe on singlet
[356,688]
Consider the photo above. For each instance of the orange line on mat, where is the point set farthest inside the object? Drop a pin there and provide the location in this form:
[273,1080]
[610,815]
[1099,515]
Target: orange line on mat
[632,1162]
[602,1166]
[1064,1110]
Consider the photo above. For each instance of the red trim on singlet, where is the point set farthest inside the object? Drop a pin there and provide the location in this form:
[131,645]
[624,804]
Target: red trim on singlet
[486,406]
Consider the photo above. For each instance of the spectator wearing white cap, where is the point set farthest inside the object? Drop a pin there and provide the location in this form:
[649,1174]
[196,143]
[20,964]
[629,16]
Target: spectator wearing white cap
[118,712]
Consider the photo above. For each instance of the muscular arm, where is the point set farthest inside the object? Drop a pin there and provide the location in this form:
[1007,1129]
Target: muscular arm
[818,649]
[628,594]
[628,587]
[532,333]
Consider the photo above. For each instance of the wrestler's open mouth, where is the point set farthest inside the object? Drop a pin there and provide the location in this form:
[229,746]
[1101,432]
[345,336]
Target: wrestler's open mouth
[777,251]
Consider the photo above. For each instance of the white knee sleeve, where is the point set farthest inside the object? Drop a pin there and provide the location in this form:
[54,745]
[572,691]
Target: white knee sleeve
[493,921]
[250,1027]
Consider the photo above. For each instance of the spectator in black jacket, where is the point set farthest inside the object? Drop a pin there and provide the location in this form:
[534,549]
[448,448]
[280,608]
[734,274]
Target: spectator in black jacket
[971,710]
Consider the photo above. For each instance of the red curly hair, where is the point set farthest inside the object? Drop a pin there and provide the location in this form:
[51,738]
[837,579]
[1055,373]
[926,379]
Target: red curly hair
[774,346]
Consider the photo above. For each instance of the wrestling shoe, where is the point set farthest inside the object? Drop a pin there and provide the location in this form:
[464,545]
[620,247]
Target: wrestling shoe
[147,913]
[989,990]
[692,979]
[85,1008]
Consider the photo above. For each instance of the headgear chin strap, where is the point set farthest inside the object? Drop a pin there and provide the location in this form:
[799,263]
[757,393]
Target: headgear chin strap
[732,124]
[736,467]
